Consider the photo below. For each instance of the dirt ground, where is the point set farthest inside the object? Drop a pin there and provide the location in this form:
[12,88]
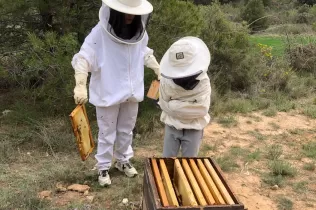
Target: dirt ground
[289,130]
[252,132]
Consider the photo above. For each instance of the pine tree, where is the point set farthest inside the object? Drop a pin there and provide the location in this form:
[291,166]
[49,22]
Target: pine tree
[254,14]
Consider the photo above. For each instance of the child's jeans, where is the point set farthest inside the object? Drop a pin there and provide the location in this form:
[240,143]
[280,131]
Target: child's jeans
[188,139]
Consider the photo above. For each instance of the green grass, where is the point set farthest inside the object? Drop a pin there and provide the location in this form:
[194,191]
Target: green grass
[276,42]
[283,168]
[309,166]
[259,136]
[228,121]
[280,43]
[284,203]
[300,187]
[309,149]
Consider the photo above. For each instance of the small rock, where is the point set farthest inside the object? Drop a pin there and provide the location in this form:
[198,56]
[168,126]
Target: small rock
[78,188]
[90,198]
[28,153]
[275,187]
[125,201]
[86,193]
[45,194]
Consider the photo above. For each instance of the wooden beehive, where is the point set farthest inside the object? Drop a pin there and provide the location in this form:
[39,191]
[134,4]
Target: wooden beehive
[186,183]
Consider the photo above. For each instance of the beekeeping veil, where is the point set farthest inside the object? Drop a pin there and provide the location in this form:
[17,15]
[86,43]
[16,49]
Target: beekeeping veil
[112,18]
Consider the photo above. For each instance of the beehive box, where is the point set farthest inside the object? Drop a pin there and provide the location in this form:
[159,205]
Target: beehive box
[186,183]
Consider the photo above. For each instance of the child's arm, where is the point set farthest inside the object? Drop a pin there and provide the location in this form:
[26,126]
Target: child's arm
[190,110]
[151,62]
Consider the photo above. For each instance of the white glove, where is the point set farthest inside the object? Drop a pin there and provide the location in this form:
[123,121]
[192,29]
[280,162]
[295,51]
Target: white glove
[80,91]
[151,62]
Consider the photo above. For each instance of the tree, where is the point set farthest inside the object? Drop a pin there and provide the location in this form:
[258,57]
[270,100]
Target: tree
[308,2]
[39,16]
[254,14]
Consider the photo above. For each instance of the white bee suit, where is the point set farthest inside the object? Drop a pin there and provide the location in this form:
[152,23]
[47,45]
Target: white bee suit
[116,86]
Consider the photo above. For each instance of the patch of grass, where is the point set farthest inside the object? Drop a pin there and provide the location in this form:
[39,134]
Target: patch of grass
[309,166]
[285,105]
[309,149]
[284,203]
[254,156]
[227,163]
[274,125]
[255,118]
[274,152]
[310,111]
[281,167]
[257,135]
[273,180]
[276,42]
[296,131]
[207,147]
[271,112]
[228,121]
[237,151]
[300,187]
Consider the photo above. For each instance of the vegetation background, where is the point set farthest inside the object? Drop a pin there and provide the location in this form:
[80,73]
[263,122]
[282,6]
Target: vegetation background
[263,61]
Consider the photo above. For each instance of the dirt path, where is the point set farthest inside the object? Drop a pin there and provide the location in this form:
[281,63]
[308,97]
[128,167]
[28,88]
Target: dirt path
[256,132]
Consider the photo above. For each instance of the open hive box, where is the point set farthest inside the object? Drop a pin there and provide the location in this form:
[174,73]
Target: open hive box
[186,183]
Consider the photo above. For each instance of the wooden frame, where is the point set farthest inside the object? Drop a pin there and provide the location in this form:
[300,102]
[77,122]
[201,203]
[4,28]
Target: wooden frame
[82,131]
[153,91]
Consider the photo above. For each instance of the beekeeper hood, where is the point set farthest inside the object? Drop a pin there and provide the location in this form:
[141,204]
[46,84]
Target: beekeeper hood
[113,19]
[187,57]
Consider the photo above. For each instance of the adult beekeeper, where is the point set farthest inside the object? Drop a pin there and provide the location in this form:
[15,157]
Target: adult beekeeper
[185,95]
[115,53]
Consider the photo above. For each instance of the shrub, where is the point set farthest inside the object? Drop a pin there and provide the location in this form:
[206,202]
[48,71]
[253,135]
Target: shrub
[234,64]
[303,58]
[47,75]
[172,20]
[254,14]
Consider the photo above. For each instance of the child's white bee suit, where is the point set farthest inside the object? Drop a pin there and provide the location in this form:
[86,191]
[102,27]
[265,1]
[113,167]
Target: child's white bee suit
[117,79]
[185,95]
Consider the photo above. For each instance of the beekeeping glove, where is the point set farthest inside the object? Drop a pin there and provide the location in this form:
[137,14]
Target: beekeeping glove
[151,62]
[81,67]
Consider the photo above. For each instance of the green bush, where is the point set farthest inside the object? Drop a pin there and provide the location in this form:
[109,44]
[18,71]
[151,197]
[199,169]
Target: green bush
[172,20]
[254,14]
[47,75]
[234,63]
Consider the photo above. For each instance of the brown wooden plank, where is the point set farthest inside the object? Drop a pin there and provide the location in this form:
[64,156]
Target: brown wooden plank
[206,192]
[194,185]
[183,185]
[210,183]
[171,195]
[218,182]
[161,190]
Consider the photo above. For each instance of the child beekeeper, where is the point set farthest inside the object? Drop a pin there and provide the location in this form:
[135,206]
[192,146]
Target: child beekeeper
[115,53]
[185,95]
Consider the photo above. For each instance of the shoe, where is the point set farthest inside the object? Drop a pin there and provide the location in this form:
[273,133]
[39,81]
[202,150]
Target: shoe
[104,178]
[127,168]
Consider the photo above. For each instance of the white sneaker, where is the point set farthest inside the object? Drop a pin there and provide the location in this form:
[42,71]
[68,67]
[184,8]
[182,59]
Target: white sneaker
[104,178]
[127,168]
